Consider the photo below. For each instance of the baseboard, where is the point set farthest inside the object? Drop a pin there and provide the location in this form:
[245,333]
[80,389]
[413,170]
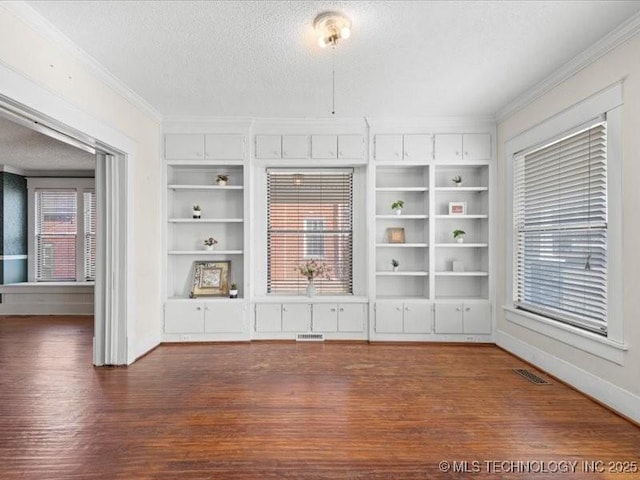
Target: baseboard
[610,395]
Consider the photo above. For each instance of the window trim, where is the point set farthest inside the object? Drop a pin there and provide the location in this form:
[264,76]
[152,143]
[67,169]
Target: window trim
[81,185]
[609,102]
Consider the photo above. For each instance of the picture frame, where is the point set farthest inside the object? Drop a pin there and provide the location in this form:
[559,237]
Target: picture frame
[211,279]
[395,235]
[457,208]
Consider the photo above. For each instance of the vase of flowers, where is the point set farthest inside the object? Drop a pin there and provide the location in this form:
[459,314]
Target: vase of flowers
[313,269]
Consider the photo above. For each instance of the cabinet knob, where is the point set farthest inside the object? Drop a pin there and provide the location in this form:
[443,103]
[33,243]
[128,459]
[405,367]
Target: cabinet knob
[457,154]
[206,309]
[468,309]
[198,308]
[342,309]
[406,154]
[466,153]
[284,309]
[331,154]
[399,309]
[333,309]
[397,154]
[340,154]
[457,309]
[406,308]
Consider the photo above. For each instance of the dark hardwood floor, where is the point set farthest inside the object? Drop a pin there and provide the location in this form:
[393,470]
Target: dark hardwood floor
[289,411]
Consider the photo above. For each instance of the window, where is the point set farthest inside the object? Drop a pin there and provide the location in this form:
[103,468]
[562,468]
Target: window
[309,215]
[560,229]
[63,241]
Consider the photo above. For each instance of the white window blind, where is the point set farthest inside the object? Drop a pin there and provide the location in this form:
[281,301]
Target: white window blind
[560,221]
[89,236]
[56,233]
[310,215]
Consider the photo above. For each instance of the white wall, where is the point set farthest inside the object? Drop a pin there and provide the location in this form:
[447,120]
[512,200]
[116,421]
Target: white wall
[29,53]
[616,385]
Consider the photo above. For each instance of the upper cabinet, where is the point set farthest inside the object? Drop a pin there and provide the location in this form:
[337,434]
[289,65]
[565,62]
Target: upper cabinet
[337,146]
[465,147]
[179,146]
[413,148]
[282,146]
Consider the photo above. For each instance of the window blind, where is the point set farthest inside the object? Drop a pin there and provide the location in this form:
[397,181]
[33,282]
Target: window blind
[89,236]
[310,216]
[56,231]
[560,222]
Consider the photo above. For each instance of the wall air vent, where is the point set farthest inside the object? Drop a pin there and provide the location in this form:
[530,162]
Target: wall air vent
[310,337]
[532,377]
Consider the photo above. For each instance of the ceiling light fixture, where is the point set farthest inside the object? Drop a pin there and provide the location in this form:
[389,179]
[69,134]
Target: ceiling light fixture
[331,27]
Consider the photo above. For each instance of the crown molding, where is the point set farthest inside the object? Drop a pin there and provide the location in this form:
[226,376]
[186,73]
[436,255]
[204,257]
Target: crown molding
[613,39]
[33,19]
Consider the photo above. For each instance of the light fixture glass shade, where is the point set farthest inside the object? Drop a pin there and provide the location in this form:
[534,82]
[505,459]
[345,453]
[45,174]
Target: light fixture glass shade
[331,27]
[345,32]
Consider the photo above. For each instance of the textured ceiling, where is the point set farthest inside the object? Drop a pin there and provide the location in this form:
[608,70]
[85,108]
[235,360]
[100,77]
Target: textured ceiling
[29,150]
[260,58]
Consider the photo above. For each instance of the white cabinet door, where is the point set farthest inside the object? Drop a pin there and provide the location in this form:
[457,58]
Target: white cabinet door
[225,147]
[324,146]
[268,146]
[448,147]
[418,148]
[477,318]
[448,318]
[183,146]
[417,317]
[295,146]
[351,317]
[268,317]
[325,317]
[350,146]
[223,317]
[184,317]
[296,317]
[388,147]
[389,317]
[476,146]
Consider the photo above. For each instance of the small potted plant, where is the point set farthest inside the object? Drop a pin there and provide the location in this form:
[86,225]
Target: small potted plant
[197,211]
[457,180]
[397,206]
[221,180]
[233,291]
[395,264]
[458,235]
[209,243]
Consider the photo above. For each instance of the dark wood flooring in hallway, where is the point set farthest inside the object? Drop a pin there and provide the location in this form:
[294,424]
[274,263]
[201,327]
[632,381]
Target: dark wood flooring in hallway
[290,411]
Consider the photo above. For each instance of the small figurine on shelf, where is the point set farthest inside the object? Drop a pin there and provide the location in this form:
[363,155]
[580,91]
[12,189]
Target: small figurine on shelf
[209,243]
[458,235]
[457,180]
[197,211]
[233,291]
[397,206]
[395,264]
[221,180]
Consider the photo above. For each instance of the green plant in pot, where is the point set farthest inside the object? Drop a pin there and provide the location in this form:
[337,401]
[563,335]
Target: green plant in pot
[458,235]
[395,264]
[397,206]
[197,211]
[457,180]
[233,290]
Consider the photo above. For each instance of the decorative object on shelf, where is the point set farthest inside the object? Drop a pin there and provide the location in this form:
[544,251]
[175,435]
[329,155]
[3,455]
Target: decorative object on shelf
[197,211]
[458,235]
[397,206]
[395,264]
[209,243]
[211,279]
[457,266]
[396,235]
[313,269]
[457,180]
[457,208]
[233,291]
[222,180]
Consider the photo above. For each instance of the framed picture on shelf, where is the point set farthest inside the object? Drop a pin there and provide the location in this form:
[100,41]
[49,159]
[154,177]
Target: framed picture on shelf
[211,279]
[395,235]
[457,208]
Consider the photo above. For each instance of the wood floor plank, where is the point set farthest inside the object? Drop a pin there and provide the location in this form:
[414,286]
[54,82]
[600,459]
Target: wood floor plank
[287,411]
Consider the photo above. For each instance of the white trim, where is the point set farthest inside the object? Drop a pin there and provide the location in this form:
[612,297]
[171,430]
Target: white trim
[575,337]
[613,39]
[33,19]
[13,257]
[618,399]
[14,170]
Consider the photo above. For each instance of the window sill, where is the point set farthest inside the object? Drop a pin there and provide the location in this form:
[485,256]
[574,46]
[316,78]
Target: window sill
[586,341]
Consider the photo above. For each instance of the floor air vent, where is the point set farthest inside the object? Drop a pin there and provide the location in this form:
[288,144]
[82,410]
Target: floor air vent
[310,337]
[532,377]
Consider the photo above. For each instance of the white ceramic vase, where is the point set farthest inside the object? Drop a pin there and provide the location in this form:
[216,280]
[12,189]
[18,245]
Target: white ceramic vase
[311,288]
